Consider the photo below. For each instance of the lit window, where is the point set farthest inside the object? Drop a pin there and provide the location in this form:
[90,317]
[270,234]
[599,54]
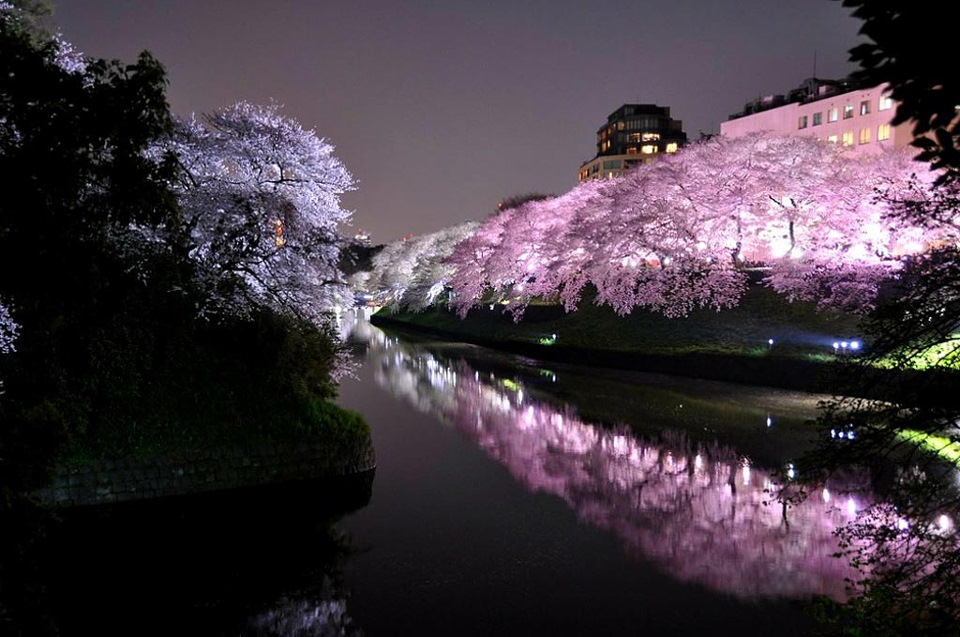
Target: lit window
[278,232]
[817,119]
[848,111]
[620,125]
[632,150]
[833,139]
[648,149]
[864,135]
[610,175]
[651,137]
[671,147]
[865,108]
[802,121]
[848,138]
[886,103]
[883,132]
[832,115]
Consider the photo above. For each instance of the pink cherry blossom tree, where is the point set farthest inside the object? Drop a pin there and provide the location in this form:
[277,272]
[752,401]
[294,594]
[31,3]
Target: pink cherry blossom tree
[681,233]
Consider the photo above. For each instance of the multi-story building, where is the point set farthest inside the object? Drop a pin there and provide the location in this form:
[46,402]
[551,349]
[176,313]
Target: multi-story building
[858,118]
[633,134]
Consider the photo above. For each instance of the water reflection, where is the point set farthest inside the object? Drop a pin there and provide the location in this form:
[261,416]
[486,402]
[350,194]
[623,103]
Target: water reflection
[698,510]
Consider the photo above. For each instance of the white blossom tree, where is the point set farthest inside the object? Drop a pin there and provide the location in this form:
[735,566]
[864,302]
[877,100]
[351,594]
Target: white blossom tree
[412,272]
[8,330]
[260,196]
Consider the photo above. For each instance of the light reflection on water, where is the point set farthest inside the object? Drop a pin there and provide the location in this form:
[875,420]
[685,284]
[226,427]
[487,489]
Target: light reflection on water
[701,512]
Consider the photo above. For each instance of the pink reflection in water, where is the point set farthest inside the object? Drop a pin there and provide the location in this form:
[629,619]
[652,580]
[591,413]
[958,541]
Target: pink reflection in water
[701,514]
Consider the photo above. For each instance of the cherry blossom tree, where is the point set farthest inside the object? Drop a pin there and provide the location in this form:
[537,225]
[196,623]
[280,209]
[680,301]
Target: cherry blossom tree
[260,196]
[413,272]
[8,330]
[524,252]
[682,232]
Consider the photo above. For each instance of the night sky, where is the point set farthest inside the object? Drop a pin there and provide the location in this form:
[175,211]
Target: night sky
[440,108]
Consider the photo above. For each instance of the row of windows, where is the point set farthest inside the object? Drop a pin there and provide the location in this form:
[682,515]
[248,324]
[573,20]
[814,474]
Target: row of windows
[646,149]
[883,133]
[616,164]
[833,114]
[637,123]
[622,138]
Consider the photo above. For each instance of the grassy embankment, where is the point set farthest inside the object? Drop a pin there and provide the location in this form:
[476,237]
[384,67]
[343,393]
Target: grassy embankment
[732,344]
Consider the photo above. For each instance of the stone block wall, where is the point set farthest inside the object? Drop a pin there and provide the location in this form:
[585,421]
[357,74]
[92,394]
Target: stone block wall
[135,479]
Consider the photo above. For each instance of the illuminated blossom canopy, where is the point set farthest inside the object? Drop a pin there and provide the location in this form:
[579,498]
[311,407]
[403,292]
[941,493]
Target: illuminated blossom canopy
[412,272]
[260,197]
[685,231]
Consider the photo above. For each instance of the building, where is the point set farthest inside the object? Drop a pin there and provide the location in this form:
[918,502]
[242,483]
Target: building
[835,110]
[632,134]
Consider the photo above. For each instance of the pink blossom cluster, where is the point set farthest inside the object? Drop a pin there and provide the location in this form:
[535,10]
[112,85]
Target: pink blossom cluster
[684,232]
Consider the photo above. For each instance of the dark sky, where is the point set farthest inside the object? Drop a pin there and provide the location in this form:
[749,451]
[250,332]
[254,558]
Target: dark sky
[440,108]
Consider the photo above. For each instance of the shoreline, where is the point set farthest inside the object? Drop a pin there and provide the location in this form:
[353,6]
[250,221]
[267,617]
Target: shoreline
[839,378]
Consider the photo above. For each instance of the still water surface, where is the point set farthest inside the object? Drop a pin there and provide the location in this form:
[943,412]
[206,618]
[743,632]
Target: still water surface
[517,499]
[510,498]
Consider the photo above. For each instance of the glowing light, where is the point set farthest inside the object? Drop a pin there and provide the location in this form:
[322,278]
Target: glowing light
[548,340]
[826,495]
[851,507]
[278,232]
[854,345]
[944,523]
[902,524]
[746,474]
[791,471]
[769,421]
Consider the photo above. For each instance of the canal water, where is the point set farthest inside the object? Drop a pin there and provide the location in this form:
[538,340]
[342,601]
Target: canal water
[510,498]
[515,498]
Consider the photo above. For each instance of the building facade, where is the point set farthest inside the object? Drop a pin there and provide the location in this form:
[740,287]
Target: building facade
[632,134]
[857,118]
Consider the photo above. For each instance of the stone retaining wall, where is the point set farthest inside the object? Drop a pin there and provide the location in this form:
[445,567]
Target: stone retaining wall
[136,479]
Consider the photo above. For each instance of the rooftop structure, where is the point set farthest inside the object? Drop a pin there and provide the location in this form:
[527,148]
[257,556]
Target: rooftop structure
[632,134]
[839,111]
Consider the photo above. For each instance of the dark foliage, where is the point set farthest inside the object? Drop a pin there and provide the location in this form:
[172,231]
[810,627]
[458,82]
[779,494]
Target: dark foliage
[518,200]
[357,257]
[905,50]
